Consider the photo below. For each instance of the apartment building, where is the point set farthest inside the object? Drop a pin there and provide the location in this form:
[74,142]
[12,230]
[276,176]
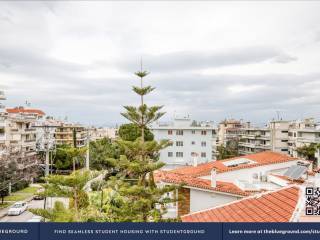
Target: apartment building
[254,140]
[301,133]
[64,134]
[21,135]
[100,133]
[191,142]
[2,123]
[18,139]
[228,130]
[274,137]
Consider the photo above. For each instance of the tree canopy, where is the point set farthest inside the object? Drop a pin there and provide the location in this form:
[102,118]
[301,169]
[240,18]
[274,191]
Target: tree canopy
[131,132]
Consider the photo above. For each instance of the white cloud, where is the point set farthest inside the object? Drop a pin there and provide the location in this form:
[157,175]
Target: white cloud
[210,59]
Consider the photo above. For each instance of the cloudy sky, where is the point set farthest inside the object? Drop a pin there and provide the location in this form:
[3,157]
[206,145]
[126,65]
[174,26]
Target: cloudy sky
[212,60]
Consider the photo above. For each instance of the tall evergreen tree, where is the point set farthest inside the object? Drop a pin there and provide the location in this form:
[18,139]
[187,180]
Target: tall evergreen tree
[135,195]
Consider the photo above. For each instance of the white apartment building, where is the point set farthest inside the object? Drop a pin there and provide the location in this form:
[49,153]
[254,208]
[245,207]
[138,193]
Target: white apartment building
[21,135]
[303,133]
[191,142]
[100,133]
[274,137]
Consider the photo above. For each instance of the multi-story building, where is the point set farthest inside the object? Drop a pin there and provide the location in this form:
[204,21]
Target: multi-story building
[18,140]
[99,133]
[254,140]
[2,123]
[229,130]
[274,137]
[64,134]
[191,142]
[303,133]
[21,135]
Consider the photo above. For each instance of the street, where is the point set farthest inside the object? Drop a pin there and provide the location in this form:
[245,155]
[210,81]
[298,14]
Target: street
[25,216]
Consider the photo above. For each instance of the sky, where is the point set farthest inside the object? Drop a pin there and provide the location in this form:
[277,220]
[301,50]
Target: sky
[210,60]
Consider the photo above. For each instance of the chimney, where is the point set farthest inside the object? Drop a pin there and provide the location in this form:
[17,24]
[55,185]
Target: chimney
[195,161]
[213,178]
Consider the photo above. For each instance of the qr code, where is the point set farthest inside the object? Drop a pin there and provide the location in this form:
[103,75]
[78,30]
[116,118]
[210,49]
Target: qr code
[312,201]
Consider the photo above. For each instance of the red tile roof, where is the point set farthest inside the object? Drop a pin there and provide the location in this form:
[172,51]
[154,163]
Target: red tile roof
[175,178]
[262,158]
[298,181]
[277,206]
[25,110]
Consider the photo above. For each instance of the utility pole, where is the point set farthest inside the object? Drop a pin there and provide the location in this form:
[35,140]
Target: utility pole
[47,145]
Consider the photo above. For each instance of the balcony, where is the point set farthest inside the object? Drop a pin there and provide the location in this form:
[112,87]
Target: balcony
[309,140]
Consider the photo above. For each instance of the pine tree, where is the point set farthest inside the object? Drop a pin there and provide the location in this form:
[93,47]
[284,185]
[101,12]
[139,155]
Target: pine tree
[72,187]
[135,196]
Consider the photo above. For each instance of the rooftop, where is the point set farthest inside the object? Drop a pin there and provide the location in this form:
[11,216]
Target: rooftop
[276,206]
[260,159]
[25,110]
[189,181]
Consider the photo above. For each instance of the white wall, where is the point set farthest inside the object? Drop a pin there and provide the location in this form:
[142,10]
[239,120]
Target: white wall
[247,173]
[187,138]
[200,200]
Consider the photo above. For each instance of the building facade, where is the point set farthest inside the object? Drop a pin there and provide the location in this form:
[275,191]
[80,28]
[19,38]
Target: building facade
[229,130]
[18,140]
[254,140]
[64,134]
[190,142]
[280,136]
[2,123]
[302,133]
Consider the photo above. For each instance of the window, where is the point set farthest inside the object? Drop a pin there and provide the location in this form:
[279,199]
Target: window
[284,140]
[169,132]
[194,154]
[170,154]
[179,143]
[179,154]
[193,143]
[284,150]
[179,132]
[203,132]
[170,144]
[203,144]
[284,131]
[203,154]
[193,132]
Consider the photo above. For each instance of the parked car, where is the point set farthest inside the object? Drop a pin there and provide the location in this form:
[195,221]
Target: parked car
[39,195]
[17,208]
[36,218]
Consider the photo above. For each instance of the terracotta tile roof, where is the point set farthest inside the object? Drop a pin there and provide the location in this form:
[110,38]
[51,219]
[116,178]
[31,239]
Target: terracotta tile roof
[262,158]
[277,206]
[226,187]
[25,110]
[298,181]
